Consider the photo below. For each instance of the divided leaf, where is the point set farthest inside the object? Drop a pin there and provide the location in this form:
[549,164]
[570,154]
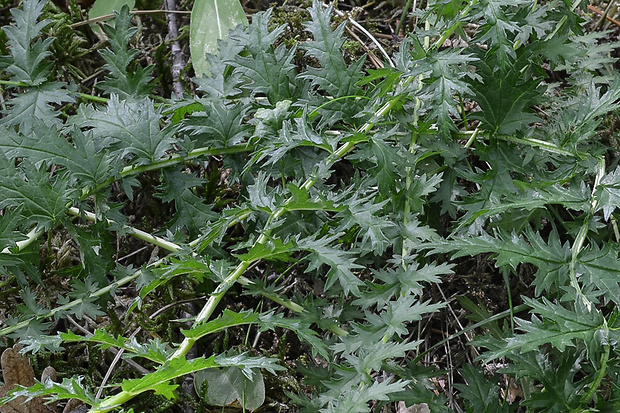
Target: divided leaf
[27,65]
[44,202]
[505,96]
[128,126]
[121,81]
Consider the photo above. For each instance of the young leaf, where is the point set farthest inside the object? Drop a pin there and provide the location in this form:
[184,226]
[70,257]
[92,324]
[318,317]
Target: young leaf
[299,327]
[356,399]
[505,96]
[118,59]
[218,125]
[334,76]
[8,235]
[608,193]
[73,388]
[191,211]
[443,81]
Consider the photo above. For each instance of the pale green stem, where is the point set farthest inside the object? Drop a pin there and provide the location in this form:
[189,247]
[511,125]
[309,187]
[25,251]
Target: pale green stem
[472,139]
[614,225]
[408,179]
[85,96]
[547,146]
[30,238]
[367,34]
[168,161]
[172,247]
[144,236]
[600,375]
[583,232]
[562,21]
[404,15]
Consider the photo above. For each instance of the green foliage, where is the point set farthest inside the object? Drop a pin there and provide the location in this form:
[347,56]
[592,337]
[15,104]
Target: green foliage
[316,202]
[121,81]
[28,67]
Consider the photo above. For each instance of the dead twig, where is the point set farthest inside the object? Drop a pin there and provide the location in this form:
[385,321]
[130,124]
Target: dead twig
[603,14]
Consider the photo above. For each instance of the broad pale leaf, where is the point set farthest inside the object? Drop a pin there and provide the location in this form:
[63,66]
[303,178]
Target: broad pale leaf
[211,21]
[106,7]
[221,387]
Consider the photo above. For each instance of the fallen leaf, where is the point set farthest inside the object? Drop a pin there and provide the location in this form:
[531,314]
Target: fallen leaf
[16,370]
[414,408]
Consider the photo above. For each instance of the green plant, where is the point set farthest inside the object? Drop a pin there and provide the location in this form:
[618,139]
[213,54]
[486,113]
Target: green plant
[325,200]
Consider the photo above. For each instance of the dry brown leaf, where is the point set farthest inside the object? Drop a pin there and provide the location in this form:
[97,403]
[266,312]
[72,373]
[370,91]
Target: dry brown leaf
[16,370]
[414,408]
[75,406]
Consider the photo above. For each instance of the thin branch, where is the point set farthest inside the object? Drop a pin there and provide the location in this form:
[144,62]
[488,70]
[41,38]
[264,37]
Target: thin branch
[111,16]
[178,60]
[604,15]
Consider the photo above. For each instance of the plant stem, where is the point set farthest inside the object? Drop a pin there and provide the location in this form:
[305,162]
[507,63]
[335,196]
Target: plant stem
[404,16]
[85,96]
[583,232]
[600,374]
[165,162]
